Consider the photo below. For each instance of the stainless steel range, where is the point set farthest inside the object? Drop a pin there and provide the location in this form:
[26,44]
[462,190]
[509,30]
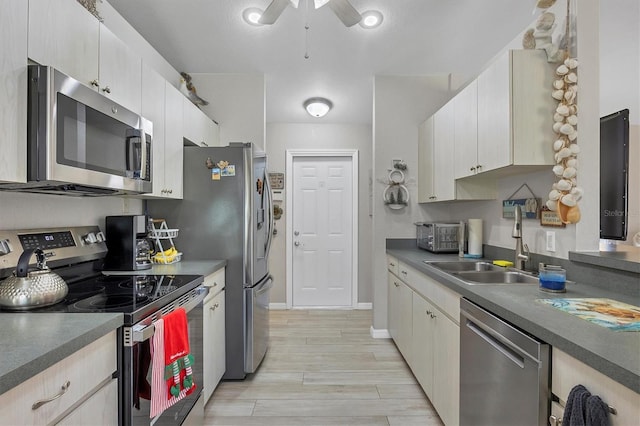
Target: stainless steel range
[76,254]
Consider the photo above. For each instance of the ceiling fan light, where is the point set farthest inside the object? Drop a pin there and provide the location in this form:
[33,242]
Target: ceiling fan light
[252,16]
[371,19]
[317,107]
[319,3]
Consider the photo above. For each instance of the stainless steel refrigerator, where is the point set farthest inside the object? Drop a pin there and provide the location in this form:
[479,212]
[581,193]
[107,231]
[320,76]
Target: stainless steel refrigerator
[226,213]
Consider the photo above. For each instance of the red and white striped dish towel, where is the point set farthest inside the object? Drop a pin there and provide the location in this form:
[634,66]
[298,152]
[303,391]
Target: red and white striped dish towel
[160,400]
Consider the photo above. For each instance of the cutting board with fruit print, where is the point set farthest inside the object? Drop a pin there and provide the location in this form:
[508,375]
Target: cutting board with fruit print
[608,313]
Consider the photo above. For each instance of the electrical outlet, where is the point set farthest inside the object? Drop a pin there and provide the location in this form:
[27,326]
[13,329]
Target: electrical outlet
[551,241]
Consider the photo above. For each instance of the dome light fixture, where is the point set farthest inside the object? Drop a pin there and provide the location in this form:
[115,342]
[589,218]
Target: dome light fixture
[317,107]
[252,16]
[371,19]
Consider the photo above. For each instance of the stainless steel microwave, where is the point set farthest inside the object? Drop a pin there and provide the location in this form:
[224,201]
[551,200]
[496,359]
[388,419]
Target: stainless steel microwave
[80,142]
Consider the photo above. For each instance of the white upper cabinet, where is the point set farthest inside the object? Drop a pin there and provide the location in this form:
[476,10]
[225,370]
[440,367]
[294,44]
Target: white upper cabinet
[425,161]
[66,36]
[119,72]
[198,127]
[13,88]
[444,137]
[515,111]
[466,131]
[153,108]
[174,142]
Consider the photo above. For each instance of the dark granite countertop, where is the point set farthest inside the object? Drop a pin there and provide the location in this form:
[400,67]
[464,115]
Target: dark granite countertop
[615,354]
[625,258]
[31,343]
[185,267]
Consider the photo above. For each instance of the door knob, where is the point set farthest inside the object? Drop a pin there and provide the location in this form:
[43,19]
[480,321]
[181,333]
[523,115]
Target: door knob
[296,233]
[297,243]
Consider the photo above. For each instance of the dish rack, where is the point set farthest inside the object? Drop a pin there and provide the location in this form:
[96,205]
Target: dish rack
[158,234]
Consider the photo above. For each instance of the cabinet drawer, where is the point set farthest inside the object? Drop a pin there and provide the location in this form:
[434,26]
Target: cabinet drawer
[85,370]
[215,282]
[100,408]
[392,265]
[445,299]
[567,372]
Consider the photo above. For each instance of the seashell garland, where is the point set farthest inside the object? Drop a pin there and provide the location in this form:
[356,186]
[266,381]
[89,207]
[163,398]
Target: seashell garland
[565,194]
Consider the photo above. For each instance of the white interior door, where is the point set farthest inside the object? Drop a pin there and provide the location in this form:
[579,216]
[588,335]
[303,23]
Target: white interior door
[322,237]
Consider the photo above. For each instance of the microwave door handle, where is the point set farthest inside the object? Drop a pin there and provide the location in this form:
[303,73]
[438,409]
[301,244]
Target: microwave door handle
[134,161]
[143,157]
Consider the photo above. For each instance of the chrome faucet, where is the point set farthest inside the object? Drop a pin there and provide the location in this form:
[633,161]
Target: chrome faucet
[520,257]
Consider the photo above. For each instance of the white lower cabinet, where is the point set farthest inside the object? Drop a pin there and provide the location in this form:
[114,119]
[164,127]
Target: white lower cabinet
[98,406]
[214,364]
[400,314]
[423,321]
[82,378]
[567,372]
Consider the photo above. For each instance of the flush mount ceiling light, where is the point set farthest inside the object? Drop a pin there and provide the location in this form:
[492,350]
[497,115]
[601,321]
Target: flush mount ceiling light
[252,16]
[371,19]
[317,107]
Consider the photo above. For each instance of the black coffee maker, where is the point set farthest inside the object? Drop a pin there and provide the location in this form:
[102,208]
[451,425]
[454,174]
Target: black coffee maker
[127,242]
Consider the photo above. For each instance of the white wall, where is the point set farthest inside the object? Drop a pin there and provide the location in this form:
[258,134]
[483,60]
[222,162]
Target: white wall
[237,103]
[284,136]
[22,210]
[401,103]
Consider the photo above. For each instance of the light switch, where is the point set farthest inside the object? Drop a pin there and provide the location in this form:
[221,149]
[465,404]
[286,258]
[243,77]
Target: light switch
[551,241]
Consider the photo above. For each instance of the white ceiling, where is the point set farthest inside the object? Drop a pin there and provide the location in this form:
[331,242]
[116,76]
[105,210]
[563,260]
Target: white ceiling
[417,37]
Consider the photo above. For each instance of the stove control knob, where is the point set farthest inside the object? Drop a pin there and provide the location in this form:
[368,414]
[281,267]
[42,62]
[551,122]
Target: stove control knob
[100,237]
[5,247]
[90,238]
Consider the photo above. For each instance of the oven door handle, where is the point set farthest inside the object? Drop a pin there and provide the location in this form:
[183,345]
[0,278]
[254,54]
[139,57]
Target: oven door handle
[141,331]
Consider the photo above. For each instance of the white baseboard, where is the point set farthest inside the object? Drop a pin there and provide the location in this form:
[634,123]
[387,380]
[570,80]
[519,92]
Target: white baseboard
[277,306]
[379,334]
[283,306]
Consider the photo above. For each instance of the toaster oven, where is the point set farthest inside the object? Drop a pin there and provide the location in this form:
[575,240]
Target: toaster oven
[437,237]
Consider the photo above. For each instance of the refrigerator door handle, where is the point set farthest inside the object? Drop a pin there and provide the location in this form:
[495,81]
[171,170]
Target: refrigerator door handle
[270,212]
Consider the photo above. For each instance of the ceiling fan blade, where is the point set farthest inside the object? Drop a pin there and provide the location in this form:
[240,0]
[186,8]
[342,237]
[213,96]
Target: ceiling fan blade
[273,11]
[319,3]
[345,12]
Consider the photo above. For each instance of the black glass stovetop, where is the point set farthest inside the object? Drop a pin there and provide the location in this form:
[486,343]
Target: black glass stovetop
[136,296]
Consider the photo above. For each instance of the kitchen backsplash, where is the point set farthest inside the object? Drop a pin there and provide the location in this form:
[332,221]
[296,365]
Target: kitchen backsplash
[23,210]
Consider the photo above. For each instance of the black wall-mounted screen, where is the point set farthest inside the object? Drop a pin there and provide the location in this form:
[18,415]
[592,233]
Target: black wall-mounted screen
[614,175]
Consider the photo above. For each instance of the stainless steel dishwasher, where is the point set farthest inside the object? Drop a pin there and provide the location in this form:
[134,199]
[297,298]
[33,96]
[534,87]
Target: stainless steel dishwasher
[504,373]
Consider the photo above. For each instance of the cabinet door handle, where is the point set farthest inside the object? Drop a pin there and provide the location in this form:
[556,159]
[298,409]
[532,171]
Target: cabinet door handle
[94,83]
[40,403]
[432,315]
[106,89]
[472,169]
[215,284]
[428,312]
[403,272]
[396,284]
[213,308]
[478,167]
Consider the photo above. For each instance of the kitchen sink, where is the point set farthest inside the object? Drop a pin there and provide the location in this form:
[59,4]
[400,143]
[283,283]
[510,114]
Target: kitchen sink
[464,266]
[496,277]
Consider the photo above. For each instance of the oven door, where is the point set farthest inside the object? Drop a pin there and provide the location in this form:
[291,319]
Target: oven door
[136,370]
[78,136]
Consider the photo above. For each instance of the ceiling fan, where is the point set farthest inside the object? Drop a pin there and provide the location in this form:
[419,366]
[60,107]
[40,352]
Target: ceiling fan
[342,8]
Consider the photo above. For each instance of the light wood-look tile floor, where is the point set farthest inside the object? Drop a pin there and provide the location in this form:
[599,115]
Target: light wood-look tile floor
[323,368]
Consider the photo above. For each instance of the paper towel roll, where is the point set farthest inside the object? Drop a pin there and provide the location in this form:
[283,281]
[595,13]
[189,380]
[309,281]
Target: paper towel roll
[475,237]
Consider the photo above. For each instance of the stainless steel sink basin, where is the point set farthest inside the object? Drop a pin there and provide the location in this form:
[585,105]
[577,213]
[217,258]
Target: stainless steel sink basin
[464,266]
[496,277]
